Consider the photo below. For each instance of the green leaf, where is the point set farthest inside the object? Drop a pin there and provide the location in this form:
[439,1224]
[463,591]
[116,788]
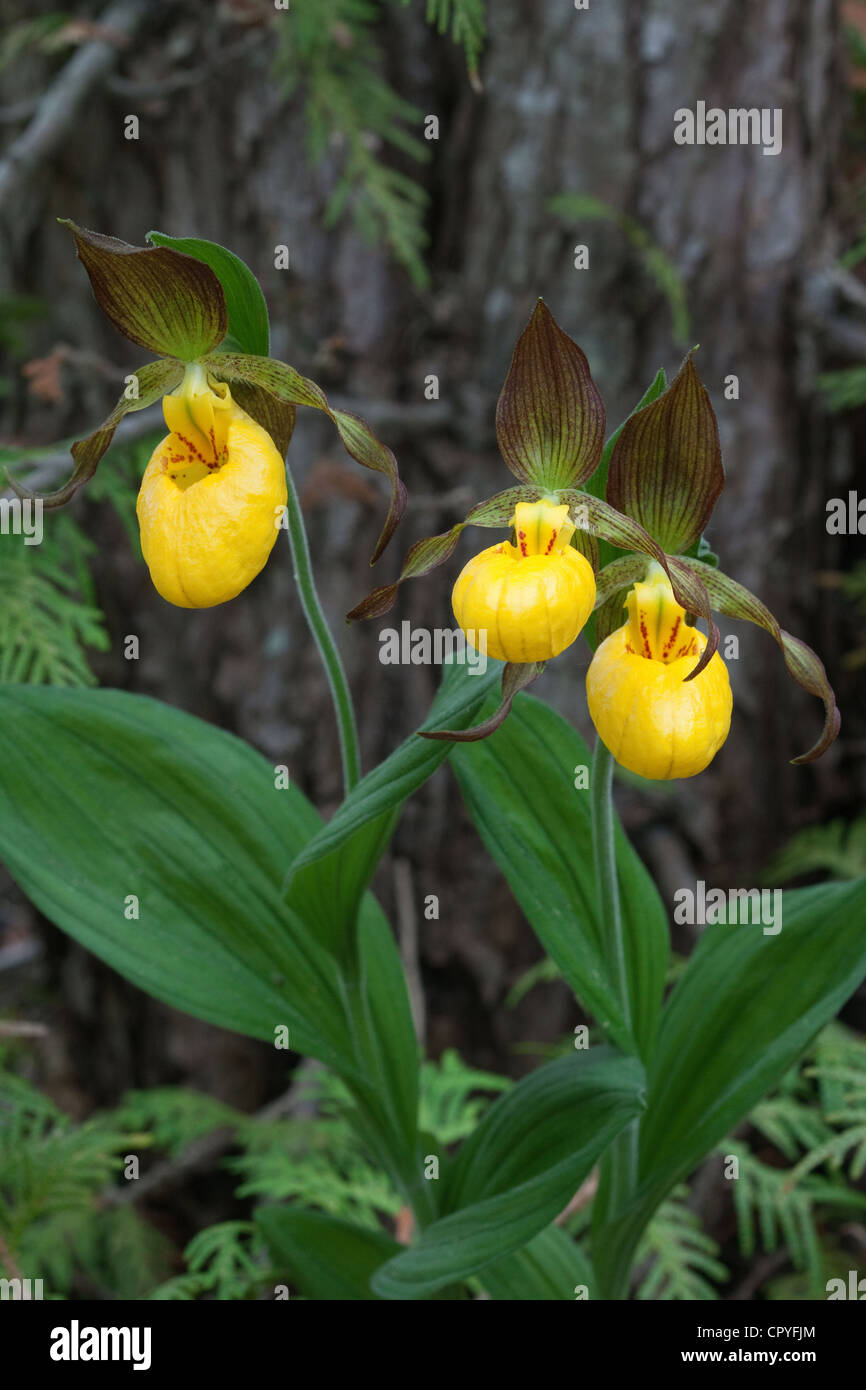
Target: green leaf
[520,1167]
[377,1000]
[745,1008]
[666,466]
[519,788]
[327,879]
[288,386]
[806,668]
[467,21]
[551,1266]
[245,303]
[326,1257]
[169,303]
[106,795]
[550,416]
[154,380]
[735,1051]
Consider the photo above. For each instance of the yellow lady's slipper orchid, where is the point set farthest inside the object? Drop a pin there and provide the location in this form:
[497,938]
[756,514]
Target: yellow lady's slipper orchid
[653,720]
[531,599]
[211,497]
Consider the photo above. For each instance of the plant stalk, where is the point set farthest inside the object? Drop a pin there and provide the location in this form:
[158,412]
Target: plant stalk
[318,625]
[604,858]
[622,1157]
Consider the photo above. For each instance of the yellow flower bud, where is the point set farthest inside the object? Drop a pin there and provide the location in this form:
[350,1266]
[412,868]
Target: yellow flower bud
[653,720]
[530,599]
[209,503]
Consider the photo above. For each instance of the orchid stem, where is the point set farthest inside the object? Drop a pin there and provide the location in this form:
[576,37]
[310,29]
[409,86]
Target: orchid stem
[604,857]
[622,1156]
[323,638]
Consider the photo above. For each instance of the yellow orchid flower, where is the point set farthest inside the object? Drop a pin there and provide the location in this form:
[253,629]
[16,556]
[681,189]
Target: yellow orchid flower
[531,599]
[211,497]
[653,720]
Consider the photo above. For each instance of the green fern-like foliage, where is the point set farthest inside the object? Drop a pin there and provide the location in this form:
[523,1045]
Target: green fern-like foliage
[772,1211]
[464,20]
[225,1262]
[320,1163]
[173,1118]
[313,1159]
[845,389]
[353,114]
[454,1096]
[317,1162]
[683,1258]
[816,1121]
[543,972]
[53,1223]
[50,619]
[329,50]
[840,1071]
[837,848]
[30,33]
[795,1170]
[48,1164]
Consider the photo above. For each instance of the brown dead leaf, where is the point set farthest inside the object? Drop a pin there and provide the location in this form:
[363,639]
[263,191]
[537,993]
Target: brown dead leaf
[250,13]
[44,375]
[403,1225]
[78,31]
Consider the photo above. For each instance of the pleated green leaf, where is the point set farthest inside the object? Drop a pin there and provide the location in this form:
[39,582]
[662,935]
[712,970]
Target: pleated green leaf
[329,876]
[745,1008]
[519,787]
[551,1267]
[519,1168]
[112,804]
[324,1256]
